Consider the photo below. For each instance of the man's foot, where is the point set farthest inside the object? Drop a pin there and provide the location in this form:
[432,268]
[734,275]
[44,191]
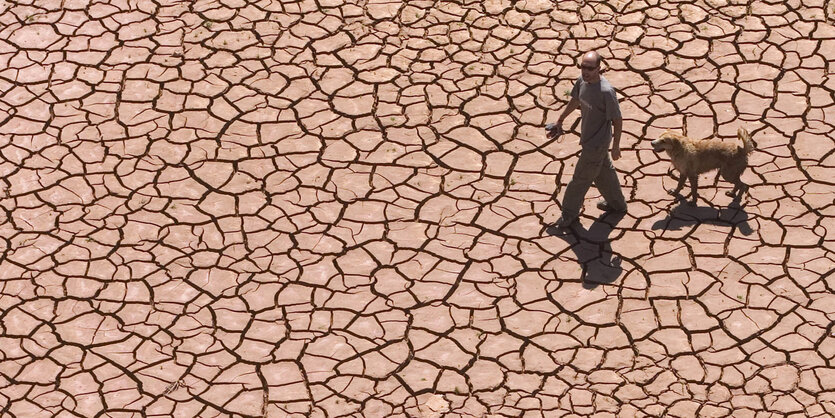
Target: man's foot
[606,207]
[564,222]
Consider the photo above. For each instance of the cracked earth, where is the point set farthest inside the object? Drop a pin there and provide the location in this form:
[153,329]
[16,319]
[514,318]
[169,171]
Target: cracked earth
[331,208]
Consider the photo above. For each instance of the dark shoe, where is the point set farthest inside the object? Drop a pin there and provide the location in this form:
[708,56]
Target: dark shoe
[606,207]
[564,222]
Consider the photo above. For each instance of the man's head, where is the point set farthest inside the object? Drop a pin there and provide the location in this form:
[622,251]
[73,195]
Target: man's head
[590,67]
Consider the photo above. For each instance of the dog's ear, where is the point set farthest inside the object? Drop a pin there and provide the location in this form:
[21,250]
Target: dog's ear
[674,140]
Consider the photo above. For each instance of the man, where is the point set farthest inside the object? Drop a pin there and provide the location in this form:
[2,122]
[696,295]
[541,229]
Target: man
[600,125]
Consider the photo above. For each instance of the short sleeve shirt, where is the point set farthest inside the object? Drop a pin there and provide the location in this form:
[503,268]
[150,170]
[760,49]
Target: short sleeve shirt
[598,107]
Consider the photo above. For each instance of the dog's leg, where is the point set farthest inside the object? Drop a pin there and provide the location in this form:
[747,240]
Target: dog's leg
[694,193]
[739,186]
[732,193]
[679,186]
[733,179]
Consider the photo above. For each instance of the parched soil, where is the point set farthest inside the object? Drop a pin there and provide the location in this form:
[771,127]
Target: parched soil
[329,208]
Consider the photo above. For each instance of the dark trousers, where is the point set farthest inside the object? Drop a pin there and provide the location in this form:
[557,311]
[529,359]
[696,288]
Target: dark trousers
[593,167]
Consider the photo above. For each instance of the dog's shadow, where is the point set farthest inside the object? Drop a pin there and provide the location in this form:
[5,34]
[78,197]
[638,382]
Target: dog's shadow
[685,215]
[593,249]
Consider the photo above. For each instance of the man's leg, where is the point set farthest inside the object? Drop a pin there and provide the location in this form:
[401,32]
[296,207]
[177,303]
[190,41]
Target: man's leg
[609,186]
[586,171]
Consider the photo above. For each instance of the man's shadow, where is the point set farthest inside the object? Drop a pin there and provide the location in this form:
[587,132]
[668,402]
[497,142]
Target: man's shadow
[685,215]
[593,249]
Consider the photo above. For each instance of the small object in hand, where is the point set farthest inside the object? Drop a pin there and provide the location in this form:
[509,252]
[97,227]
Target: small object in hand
[553,130]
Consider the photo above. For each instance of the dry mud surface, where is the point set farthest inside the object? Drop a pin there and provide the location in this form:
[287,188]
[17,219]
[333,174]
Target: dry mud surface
[329,208]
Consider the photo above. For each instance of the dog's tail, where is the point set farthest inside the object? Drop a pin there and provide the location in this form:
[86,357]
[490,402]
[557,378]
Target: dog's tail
[745,137]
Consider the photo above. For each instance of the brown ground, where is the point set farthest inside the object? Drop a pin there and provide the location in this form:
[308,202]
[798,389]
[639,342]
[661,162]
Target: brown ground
[340,209]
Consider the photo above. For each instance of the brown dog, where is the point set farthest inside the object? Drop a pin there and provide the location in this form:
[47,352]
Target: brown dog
[693,157]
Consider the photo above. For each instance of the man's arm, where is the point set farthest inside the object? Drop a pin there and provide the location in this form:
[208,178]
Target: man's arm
[617,125]
[555,129]
[572,105]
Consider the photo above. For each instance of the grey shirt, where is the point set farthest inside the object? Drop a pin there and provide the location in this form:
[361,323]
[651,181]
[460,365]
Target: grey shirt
[598,107]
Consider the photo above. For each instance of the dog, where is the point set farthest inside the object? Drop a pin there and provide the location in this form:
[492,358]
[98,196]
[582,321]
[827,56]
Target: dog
[693,157]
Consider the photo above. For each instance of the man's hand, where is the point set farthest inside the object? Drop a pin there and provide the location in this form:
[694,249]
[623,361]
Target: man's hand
[553,130]
[617,125]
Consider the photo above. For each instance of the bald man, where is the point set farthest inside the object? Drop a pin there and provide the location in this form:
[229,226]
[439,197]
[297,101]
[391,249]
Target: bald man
[600,126]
